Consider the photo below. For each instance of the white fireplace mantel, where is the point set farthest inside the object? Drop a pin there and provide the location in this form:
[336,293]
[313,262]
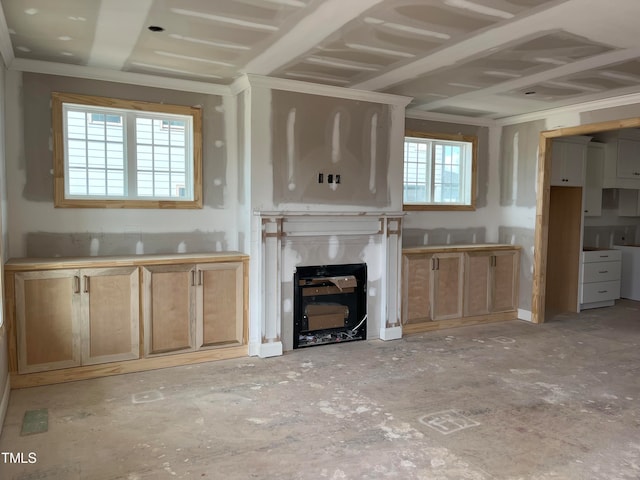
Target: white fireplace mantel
[272,230]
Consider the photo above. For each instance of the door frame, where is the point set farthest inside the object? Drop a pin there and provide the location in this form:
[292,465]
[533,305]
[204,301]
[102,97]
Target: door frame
[543,200]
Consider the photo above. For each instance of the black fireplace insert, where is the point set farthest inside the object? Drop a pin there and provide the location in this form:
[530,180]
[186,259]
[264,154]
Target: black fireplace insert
[330,304]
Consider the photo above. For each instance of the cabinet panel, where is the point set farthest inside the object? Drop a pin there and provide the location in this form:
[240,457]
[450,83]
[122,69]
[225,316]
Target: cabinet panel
[416,288]
[504,291]
[477,280]
[110,312]
[594,180]
[169,308]
[628,165]
[447,286]
[47,314]
[220,311]
[568,162]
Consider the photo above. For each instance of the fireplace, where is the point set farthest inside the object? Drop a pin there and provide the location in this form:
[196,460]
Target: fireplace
[329,304]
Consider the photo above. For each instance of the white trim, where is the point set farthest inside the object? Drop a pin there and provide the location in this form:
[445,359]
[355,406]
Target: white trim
[327,90]
[93,73]
[524,315]
[6,48]
[393,333]
[4,405]
[619,101]
[254,349]
[239,85]
[448,118]
[273,349]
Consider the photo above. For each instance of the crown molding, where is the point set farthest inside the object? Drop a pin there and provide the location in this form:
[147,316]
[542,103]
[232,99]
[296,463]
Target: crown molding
[448,118]
[239,85]
[611,102]
[327,90]
[93,73]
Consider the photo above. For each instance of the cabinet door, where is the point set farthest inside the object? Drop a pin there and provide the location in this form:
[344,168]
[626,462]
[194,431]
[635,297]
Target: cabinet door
[628,164]
[477,278]
[594,180]
[557,164]
[416,288]
[110,312]
[169,308]
[505,280]
[628,202]
[568,163]
[220,304]
[48,320]
[447,286]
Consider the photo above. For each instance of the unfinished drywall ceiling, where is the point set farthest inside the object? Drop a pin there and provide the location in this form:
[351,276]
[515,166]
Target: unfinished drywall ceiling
[473,57]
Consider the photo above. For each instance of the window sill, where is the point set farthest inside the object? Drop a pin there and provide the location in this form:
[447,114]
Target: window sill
[434,207]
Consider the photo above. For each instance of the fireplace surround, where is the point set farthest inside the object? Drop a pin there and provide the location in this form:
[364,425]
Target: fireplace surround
[284,241]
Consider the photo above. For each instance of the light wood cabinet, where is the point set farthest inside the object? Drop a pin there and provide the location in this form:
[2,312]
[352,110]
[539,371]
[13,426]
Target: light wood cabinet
[447,286]
[490,282]
[568,160]
[76,317]
[190,307]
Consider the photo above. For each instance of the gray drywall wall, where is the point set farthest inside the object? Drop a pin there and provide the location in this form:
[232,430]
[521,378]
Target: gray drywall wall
[519,163]
[429,126]
[4,364]
[313,134]
[417,237]
[610,114]
[38,156]
[523,237]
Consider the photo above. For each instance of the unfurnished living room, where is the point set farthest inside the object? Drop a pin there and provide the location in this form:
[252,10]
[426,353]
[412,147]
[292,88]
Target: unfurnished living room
[319,239]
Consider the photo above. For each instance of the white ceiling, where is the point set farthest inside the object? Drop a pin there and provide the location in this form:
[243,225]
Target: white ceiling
[477,58]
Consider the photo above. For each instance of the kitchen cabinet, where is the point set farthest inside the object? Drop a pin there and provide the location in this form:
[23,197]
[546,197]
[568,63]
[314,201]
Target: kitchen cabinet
[628,203]
[74,317]
[594,180]
[457,285]
[630,274]
[600,281]
[85,317]
[490,282]
[622,159]
[568,161]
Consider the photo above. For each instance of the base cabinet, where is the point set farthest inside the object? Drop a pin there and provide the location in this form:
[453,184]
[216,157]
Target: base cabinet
[68,318]
[453,287]
[132,313]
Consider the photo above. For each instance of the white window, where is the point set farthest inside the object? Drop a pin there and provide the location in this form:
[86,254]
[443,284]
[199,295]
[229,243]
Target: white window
[439,172]
[126,154]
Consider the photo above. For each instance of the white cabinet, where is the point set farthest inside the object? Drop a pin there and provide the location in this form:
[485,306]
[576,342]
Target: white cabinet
[622,159]
[594,180]
[628,203]
[600,281]
[568,160]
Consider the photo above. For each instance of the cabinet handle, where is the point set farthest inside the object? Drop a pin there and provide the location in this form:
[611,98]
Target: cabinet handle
[603,291]
[86,284]
[199,277]
[604,256]
[76,284]
[193,278]
[603,271]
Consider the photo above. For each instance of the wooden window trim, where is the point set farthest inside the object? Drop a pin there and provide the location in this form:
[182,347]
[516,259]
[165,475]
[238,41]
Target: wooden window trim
[60,201]
[473,139]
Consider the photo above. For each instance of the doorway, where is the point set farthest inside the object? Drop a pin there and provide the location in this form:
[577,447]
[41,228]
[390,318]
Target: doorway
[546,224]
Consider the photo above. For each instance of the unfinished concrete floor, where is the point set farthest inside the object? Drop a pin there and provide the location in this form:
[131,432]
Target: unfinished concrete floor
[503,401]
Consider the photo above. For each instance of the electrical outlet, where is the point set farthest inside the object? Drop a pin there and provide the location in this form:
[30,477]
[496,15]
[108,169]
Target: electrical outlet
[320,178]
[330,178]
[337,178]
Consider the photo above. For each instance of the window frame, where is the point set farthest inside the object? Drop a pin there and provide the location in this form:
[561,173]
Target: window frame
[59,168]
[473,140]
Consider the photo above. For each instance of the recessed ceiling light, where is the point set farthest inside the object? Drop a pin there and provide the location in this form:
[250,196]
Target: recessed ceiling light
[23,49]
[155,28]
[64,38]
[31,11]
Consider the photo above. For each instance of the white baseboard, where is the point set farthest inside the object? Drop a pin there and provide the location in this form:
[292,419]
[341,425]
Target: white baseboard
[524,315]
[5,402]
[273,349]
[392,333]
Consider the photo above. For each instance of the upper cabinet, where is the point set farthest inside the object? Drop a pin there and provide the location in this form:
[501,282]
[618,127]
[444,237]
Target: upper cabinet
[594,180]
[568,160]
[622,159]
